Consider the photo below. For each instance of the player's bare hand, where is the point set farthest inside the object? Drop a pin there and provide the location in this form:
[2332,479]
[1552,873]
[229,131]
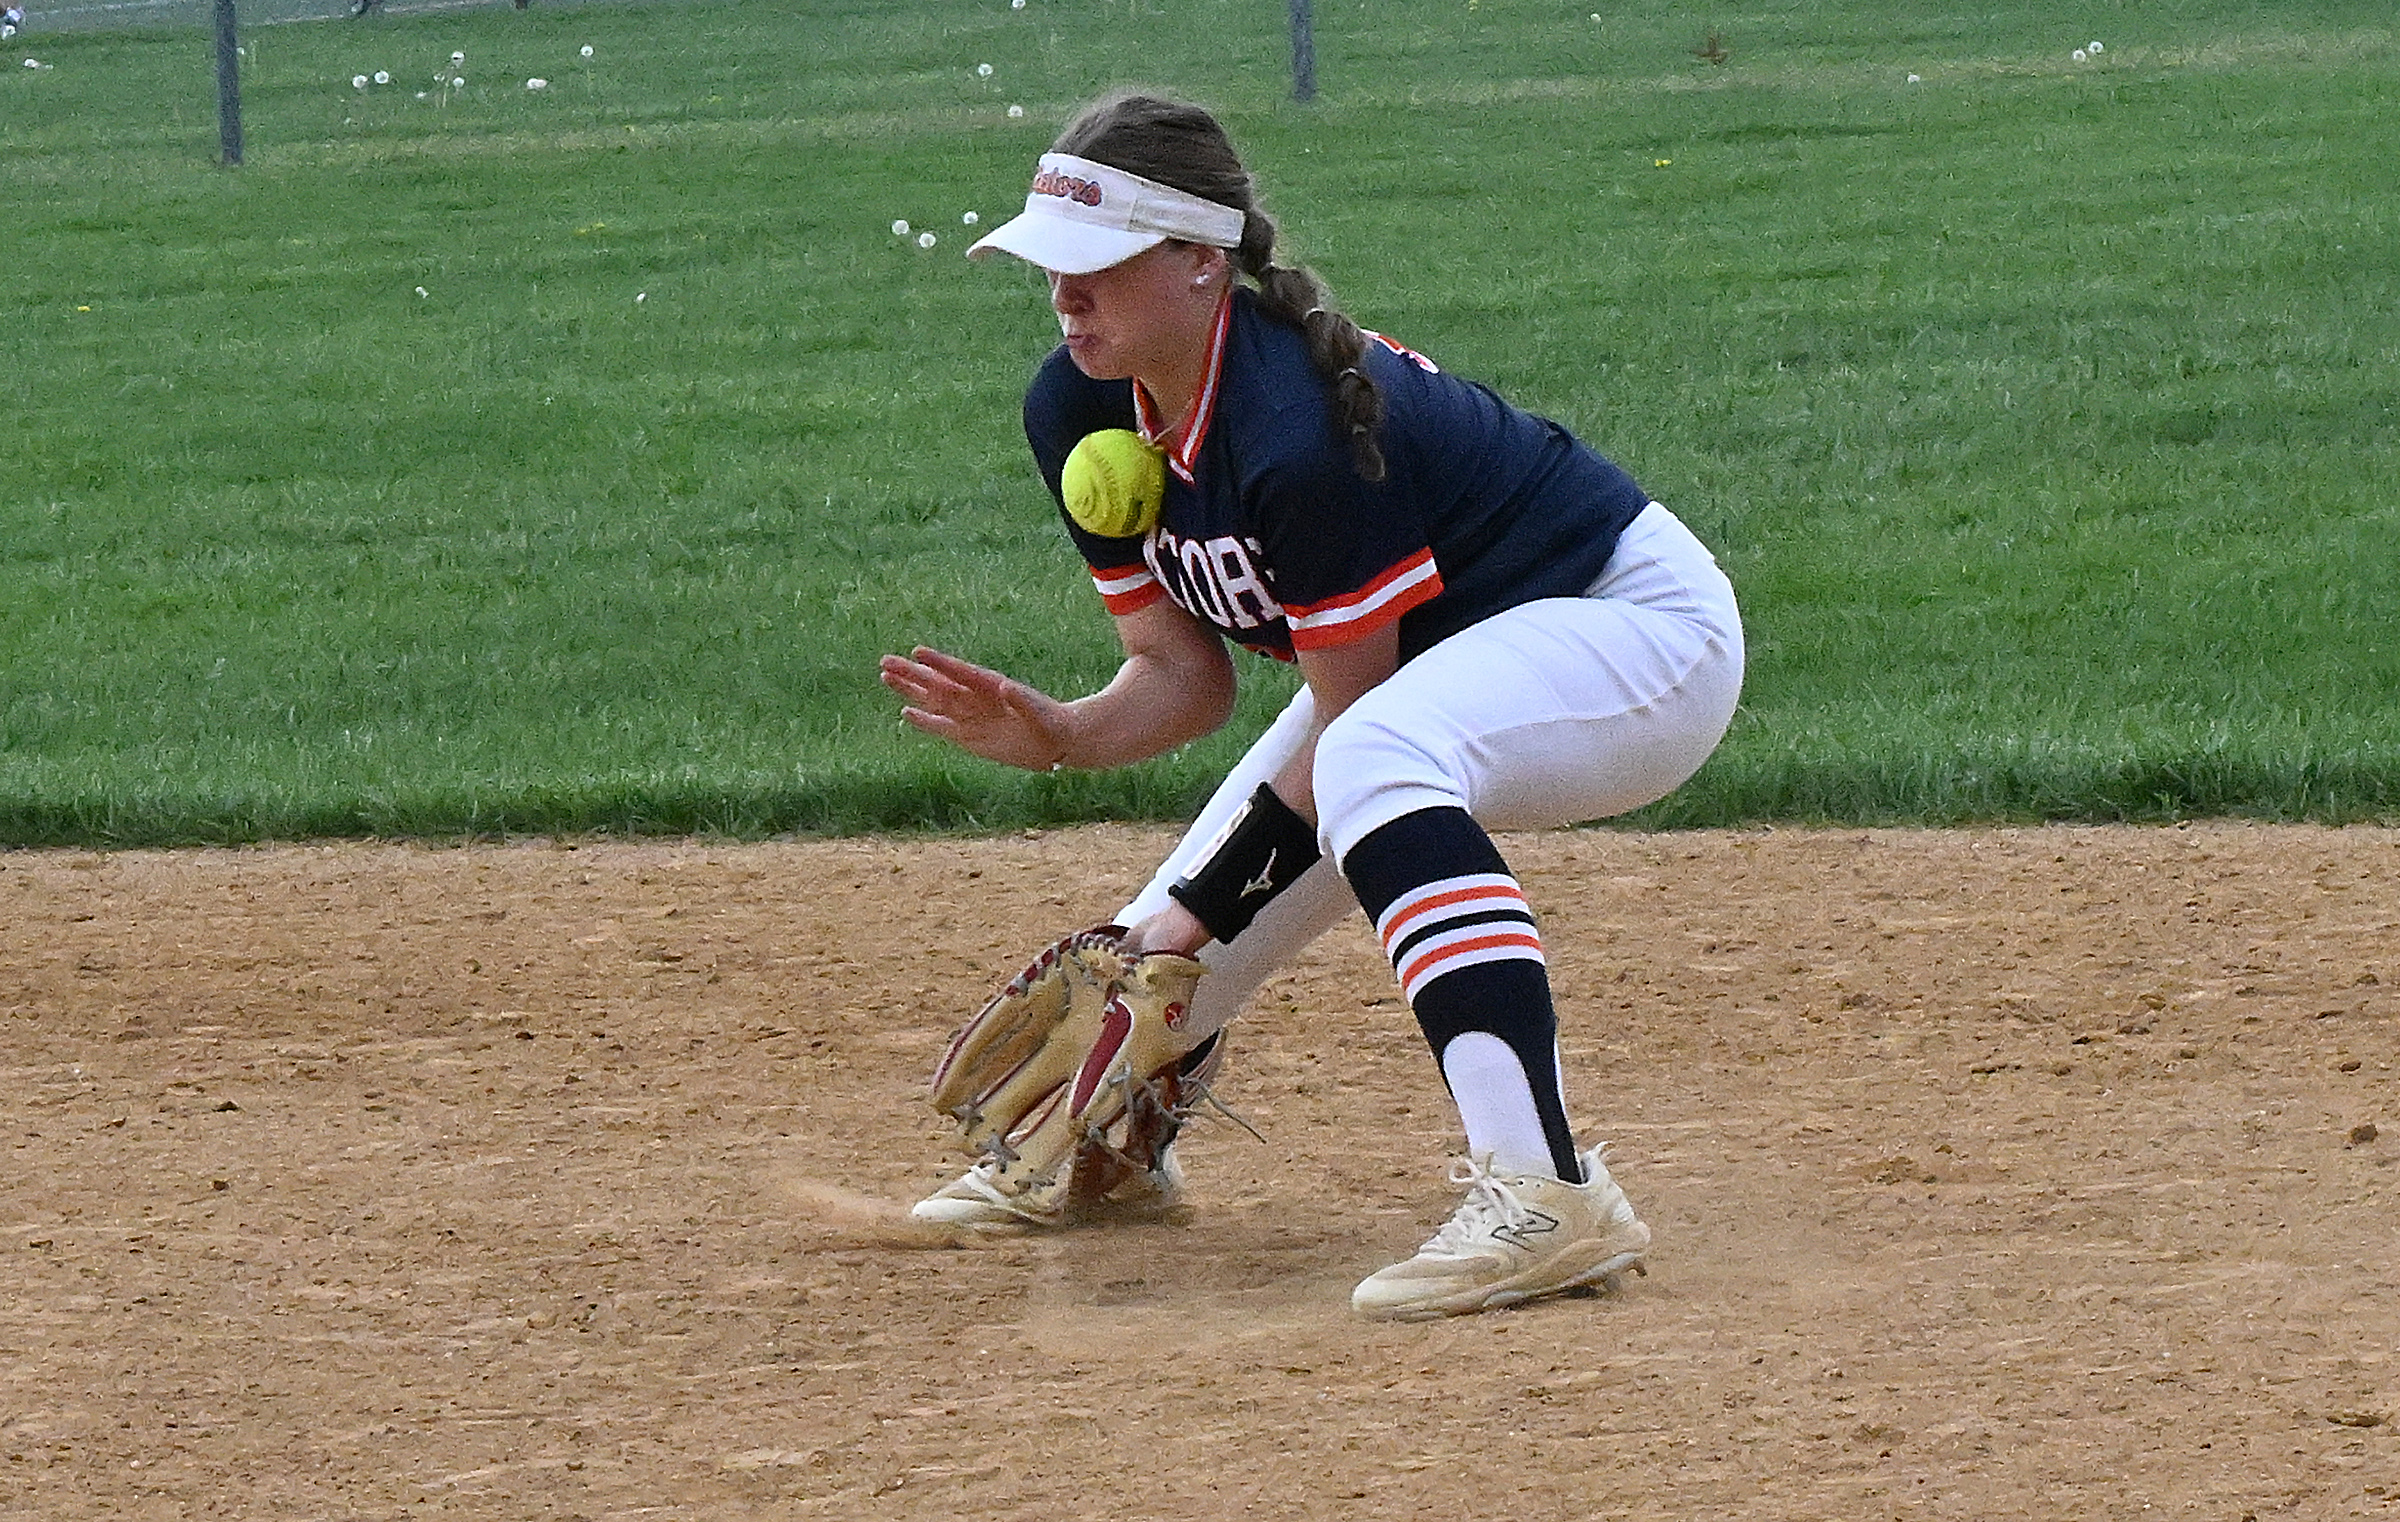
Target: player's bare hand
[978,709]
[1173,928]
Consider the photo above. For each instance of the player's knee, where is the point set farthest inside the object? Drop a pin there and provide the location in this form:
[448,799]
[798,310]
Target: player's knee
[1371,769]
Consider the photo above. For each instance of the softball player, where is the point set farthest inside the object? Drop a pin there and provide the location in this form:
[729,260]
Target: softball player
[1496,627]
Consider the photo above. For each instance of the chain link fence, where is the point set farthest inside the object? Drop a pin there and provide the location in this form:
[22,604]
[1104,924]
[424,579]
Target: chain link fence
[94,15]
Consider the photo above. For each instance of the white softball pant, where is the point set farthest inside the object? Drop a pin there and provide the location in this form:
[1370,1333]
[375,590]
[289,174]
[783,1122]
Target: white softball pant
[1554,712]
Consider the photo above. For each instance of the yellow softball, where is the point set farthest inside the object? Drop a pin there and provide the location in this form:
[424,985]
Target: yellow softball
[1114,482]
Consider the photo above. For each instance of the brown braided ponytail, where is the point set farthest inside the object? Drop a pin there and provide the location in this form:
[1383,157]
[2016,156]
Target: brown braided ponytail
[1183,146]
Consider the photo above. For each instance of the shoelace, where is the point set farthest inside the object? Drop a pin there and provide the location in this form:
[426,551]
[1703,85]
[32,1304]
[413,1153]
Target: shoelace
[1489,1202]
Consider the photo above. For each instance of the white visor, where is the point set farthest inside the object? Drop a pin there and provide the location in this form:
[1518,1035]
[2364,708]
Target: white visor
[1081,216]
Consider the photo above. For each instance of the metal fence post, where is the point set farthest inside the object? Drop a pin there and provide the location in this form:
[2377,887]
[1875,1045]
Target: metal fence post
[1304,53]
[229,86]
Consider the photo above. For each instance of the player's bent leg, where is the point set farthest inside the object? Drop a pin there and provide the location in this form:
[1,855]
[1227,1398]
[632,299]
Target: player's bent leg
[1516,1237]
[1554,712]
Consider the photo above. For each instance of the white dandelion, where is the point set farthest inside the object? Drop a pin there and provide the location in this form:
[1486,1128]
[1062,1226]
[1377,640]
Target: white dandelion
[537,84]
[383,76]
[971,218]
[357,81]
[1912,79]
[983,71]
[457,58]
[900,228]
[2095,50]
[2081,55]
[587,50]
[1015,111]
[925,240]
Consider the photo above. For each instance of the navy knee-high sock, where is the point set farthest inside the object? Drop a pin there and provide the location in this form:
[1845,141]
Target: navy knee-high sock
[1464,945]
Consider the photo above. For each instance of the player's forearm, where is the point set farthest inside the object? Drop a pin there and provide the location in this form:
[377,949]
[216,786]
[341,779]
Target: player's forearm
[1152,706]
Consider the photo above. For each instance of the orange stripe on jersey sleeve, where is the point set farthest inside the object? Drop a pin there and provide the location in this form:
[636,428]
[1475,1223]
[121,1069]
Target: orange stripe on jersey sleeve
[1354,615]
[1127,588]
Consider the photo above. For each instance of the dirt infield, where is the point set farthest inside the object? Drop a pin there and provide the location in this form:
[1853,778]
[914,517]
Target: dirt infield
[1995,1174]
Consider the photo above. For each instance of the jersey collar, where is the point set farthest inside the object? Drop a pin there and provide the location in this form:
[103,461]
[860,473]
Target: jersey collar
[1182,442]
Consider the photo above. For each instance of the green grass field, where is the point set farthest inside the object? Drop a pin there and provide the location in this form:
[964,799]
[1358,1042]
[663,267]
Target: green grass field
[490,460]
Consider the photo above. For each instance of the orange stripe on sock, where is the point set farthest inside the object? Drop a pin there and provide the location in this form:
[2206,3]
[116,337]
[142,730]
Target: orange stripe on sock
[1414,972]
[1399,928]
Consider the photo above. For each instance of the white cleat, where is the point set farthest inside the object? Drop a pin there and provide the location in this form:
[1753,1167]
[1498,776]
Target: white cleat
[1515,1237]
[972,1200]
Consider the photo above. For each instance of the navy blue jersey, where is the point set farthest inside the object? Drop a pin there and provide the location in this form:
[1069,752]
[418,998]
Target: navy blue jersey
[1267,532]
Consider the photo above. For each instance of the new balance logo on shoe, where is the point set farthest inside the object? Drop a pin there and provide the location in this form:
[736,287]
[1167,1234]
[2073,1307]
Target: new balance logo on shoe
[1522,1231]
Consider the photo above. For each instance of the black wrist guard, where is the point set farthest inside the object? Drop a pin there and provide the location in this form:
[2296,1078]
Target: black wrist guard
[1259,854]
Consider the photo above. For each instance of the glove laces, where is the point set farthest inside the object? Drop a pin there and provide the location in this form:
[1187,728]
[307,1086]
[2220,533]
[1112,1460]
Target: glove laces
[1198,1093]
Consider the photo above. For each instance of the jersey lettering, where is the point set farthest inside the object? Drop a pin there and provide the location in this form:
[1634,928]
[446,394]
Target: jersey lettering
[1214,579]
[1238,575]
[1208,602]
